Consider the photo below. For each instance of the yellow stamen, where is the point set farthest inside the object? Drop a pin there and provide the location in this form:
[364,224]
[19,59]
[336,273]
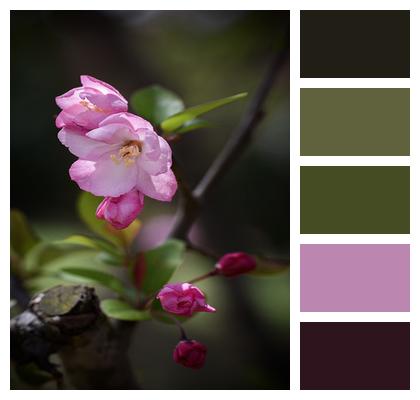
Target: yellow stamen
[86,103]
[128,153]
[115,159]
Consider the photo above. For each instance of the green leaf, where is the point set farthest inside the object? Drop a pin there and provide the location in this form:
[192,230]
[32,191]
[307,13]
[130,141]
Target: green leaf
[267,266]
[85,275]
[41,283]
[121,310]
[111,259]
[176,121]
[161,263]
[87,205]
[54,258]
[22,237]
[42,254]
[79,240]
[108,249]
[155,103]
[191,126]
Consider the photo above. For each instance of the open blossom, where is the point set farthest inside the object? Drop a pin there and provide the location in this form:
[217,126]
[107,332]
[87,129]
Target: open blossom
[183,299]
[232,264]
[121,211]
[122,154]
[88,105]
[190,354]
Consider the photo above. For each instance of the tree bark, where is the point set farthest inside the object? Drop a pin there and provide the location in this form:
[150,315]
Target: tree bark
[98,358]
[93,349]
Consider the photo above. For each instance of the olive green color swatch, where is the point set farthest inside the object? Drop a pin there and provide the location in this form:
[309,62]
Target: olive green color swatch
[355,122]
[355,199]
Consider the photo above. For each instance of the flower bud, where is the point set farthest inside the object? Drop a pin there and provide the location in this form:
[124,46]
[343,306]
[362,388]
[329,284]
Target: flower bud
[233,264]
[121,211]
[183,299]
[190,354]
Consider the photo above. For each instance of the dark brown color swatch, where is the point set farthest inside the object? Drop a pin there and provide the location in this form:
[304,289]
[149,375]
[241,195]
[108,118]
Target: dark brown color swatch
[355,355]
[355,44]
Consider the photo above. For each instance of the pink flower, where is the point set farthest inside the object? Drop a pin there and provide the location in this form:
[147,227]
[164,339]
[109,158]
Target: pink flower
[183,299]
[122,154]
[190,354]
[233,264]
[121,211]
[88,105]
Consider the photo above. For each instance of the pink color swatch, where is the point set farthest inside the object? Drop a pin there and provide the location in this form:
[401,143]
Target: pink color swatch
[368,277]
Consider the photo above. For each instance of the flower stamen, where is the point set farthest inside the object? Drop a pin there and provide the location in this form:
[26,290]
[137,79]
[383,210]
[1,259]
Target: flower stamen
[127,153]
[87,104]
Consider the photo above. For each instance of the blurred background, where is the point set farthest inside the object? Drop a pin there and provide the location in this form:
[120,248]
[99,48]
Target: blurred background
[200,55]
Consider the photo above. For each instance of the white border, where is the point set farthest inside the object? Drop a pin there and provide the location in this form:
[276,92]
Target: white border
[296,239]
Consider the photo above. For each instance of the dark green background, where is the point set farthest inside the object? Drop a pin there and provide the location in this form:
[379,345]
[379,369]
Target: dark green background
[355,199]
[355,122]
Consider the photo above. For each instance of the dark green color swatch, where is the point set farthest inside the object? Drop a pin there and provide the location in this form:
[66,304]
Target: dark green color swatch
[355,122]
[355,199]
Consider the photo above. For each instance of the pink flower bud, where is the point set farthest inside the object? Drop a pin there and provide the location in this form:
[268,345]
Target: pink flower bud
[233,264]
[183,299]
[121,211]
[190,354]
[88,105]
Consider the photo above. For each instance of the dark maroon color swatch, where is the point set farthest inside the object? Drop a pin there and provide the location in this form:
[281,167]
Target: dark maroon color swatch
[354,355]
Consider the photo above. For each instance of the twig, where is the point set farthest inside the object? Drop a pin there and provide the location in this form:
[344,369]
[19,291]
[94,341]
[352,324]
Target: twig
[213,272]
[238,141]
[204,252]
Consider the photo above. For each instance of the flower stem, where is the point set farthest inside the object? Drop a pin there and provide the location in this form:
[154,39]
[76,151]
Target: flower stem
[213,272]
[179,325]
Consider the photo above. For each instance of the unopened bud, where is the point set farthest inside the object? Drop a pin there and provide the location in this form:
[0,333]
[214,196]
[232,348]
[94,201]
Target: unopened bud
[190,354]
[233,264]
[121,211]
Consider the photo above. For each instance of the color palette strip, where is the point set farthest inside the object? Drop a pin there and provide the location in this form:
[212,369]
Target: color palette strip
[355,355]
[351,122]
[355,44]
[355,122]
[355,277]
[355,199]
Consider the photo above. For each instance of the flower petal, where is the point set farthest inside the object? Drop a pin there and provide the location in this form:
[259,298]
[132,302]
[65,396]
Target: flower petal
[160,187]
[103,87]
[156,155]
[68,99]
[107,103]
[63,119]
[104,177]
[81,145]
[130,120]
[112,134]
